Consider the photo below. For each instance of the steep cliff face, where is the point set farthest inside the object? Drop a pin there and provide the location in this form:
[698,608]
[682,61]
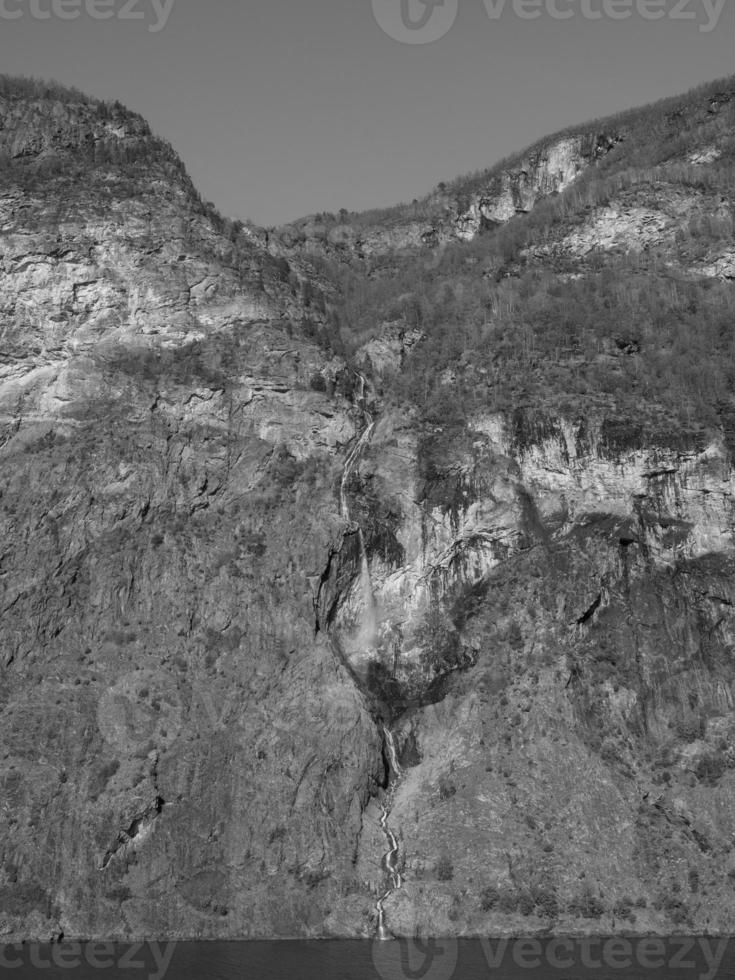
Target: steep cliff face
[442,510]
[552,622]
[545,171]
[180,755]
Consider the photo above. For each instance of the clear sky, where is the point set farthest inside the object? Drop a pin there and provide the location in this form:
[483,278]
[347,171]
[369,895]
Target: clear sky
[280,108]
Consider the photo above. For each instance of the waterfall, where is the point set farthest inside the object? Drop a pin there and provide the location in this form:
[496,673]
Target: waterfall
[350,462]
[390,745]
[390,858]
[368,595]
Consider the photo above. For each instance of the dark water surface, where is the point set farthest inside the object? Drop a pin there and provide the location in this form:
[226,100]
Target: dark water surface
[671,958]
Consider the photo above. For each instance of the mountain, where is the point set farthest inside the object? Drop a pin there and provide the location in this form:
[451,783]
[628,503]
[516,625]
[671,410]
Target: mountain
[167,505]
[374,571]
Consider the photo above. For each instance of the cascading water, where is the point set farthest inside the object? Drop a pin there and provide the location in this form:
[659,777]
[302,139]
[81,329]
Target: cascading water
[390,858]
[350,465]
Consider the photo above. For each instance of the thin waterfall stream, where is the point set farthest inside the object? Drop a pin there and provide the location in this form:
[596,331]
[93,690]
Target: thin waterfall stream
[390,858]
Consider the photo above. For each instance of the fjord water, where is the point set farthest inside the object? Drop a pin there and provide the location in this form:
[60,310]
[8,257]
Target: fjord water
[680,958]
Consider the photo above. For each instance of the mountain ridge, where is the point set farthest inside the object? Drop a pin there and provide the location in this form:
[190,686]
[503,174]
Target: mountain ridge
[280,517]
[453,194]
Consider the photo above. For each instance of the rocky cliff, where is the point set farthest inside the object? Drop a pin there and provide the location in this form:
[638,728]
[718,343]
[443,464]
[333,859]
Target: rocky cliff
[251,575]
[461,211]
[176,751]
[554,620]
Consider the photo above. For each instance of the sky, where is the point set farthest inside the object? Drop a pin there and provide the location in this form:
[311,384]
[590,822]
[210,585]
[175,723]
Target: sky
[282,108]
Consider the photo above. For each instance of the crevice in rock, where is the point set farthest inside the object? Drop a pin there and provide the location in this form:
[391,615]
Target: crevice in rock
[721,600]
[127,837]
[385,780]
[326,575]
[587,616]
[326,606]
[656,474]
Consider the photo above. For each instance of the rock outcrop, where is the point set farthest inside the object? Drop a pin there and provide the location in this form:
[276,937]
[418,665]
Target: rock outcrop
[462,211]
[548,170]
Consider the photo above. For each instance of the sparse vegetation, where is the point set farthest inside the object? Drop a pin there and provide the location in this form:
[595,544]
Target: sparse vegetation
[711,767]
[489,898]
[526,904]
[505,327]
[623,908]
[444,869]
[587,905]
[546,903]
[447,789]
[690,728]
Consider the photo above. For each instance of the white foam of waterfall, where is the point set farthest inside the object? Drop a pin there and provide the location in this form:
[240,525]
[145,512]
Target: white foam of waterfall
[390,858]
